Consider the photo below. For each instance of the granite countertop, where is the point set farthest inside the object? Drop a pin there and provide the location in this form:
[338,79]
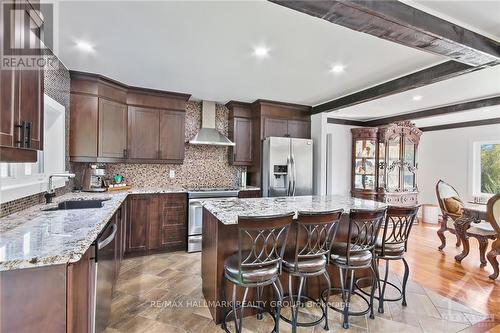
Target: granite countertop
[34,237]
[228,210]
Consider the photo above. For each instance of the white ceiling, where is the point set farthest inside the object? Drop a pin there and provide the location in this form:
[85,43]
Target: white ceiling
[458,117]
[205,49]
[475,85]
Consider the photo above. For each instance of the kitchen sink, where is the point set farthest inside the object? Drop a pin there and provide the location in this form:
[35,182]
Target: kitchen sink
[78,204]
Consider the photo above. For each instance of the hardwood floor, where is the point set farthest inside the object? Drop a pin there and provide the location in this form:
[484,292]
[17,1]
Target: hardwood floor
[466,283]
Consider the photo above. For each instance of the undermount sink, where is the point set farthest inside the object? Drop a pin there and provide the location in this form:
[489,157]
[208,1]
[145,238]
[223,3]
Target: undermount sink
[78,204]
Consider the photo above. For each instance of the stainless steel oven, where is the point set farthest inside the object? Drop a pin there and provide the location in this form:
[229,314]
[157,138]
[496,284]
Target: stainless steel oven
[195,220]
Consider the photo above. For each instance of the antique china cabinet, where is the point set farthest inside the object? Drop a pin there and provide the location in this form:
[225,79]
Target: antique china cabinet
[384,163]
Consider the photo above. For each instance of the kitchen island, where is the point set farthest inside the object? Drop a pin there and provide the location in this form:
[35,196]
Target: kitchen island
[220,235]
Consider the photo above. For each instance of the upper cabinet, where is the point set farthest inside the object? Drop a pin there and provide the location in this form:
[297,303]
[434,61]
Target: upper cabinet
[21,97]
[240,131]
[111,122]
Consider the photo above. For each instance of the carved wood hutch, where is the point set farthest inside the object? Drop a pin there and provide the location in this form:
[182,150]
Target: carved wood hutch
[384,163]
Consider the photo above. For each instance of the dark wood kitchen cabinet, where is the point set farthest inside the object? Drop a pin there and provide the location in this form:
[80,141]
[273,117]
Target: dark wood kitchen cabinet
[112,122]
[144,133]
[173,221]
[21,104]
[138,218]
[275,127]
[299,129]
[112,129]
[172,128]
[156,222]
[240,131]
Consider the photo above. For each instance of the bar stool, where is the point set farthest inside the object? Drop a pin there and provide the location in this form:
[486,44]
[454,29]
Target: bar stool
[256,264]
[392,245]
[355,254]
[313,239]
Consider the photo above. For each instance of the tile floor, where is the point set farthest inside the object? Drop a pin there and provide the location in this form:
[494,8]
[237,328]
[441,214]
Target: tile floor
[162,293]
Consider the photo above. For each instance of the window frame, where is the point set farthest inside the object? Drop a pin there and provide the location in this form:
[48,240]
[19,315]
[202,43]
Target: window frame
[18,185]
[476,166]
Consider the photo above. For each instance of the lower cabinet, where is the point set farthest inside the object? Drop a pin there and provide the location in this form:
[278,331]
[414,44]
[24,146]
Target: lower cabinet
[249,194]
[156,222]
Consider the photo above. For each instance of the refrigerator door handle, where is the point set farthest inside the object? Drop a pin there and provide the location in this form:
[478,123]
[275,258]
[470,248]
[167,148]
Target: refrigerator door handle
[289,176]
[294,171]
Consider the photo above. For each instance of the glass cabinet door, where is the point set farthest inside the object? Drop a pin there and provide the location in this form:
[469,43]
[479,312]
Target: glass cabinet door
[409,159]
[364,165]
[393,164]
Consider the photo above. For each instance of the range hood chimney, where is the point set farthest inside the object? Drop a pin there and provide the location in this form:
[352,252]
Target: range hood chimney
[208,135]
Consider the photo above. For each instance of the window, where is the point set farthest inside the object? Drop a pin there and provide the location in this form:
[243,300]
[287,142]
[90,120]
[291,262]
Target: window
[486,167]
[18,180]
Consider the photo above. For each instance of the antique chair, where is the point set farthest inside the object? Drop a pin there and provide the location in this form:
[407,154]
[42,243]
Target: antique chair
[310,257]
[256,264]
[452,207]
[448,198]
[494,219]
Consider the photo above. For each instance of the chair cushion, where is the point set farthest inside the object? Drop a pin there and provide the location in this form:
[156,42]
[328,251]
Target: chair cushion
[391,250]
[304,265]
[453,205]
[261,273]
[482,228]
[357,257]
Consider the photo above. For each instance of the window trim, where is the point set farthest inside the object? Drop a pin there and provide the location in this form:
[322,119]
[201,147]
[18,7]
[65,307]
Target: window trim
[476,167]
[15,186]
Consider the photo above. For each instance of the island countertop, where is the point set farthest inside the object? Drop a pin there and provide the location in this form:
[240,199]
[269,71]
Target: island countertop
[228,210]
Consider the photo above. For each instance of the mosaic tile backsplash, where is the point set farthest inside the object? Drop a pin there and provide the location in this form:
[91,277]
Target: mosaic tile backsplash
[204,166]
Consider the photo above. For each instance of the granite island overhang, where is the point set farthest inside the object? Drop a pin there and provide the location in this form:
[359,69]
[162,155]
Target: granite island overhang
[220,237]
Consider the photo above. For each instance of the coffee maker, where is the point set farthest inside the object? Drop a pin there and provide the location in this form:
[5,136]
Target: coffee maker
[93,179]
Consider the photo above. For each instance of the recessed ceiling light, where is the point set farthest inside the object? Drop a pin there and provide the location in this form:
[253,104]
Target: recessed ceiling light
[416,98]
[85,46]
[337,69]
[261,51]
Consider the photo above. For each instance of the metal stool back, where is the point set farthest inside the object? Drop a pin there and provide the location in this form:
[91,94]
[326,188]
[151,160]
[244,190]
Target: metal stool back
[314,237]
[261,246]
[392,246]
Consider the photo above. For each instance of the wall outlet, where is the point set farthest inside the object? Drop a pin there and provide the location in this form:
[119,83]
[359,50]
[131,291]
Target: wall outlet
[171,173]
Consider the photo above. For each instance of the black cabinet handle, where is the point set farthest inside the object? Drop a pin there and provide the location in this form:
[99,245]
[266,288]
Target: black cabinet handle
[22,134]
[29,126]
[125,153]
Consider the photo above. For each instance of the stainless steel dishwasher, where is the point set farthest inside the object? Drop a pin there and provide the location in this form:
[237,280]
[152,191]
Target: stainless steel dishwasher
[104,268]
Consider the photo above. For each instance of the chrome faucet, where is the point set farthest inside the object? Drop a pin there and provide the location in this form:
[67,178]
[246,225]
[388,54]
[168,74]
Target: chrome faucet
[51,193]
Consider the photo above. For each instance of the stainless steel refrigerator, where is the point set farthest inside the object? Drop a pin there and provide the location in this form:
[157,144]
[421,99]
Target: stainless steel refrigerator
[287,167]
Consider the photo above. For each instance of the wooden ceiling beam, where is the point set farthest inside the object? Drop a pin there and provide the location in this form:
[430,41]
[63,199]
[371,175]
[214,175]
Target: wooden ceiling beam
[403,24]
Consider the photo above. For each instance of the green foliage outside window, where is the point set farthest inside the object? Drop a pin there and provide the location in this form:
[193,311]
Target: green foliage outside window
[490,168]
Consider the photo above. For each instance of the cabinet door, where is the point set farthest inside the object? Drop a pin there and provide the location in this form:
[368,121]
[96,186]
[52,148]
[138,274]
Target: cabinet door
[242,135]
[79,294]
[31,106]
[83,125]
[172,128]
[173,221]
[137,223]
[7,92]
[143,133]
[112,129]
[275,127]
[299,129]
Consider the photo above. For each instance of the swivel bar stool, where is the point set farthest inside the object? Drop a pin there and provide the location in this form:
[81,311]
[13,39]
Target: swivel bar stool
[310,257]
[256,264]
[392,245]
[355,254]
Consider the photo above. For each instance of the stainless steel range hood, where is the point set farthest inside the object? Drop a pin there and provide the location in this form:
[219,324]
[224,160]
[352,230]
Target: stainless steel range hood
[208,135]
